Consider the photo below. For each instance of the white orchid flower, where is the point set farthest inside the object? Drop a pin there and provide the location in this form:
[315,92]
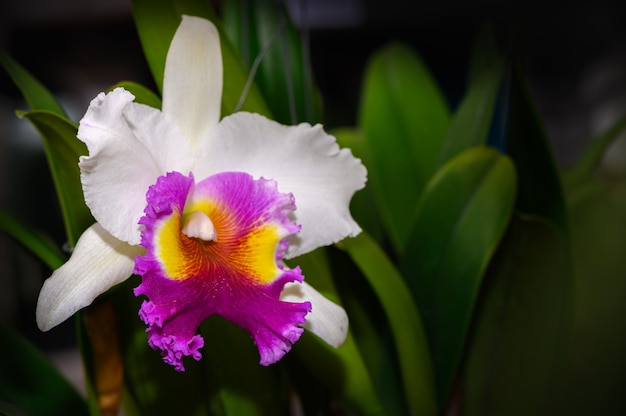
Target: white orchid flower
[205,210]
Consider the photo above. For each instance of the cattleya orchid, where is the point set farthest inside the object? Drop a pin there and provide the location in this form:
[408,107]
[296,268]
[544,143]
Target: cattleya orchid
[205,210]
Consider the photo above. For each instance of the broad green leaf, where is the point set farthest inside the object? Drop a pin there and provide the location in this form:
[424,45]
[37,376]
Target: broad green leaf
[539,186]
[36,95]
[403,119]
[370,329]
[157,21]
[404,321]
[586,165]
[472,120]
[460,220]
[522,323]
[30,383]
[341,370]
[42,246]
[142,94]
[62,151]
[237,383]
[591,380]
[273,51]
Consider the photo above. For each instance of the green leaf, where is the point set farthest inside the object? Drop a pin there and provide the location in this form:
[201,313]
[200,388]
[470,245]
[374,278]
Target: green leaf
[460,220]
[539,186]
[36,95]
[342,370]
[522,323]
[591,379]
[587,163]
[142,94]
[370,329]
[30,383]
[62,151]
[404,320]
[270,44]
[157,21]
[40,245]
[237,383]
[403,118]
[472,120]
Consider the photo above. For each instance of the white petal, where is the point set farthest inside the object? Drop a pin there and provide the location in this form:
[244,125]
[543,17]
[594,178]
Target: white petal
[327,320]
[192,83]
[98,262]
[303,160]
[130,145]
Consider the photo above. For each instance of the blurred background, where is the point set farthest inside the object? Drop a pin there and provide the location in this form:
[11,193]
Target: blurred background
[574,59]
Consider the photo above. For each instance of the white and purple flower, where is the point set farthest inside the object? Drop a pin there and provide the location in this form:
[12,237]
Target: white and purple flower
[205,211]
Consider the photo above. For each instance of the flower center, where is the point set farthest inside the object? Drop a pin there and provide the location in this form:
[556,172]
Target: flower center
[188,276]
[199,225]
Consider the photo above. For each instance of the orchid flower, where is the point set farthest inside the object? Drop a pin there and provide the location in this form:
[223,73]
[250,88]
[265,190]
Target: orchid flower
[205,211]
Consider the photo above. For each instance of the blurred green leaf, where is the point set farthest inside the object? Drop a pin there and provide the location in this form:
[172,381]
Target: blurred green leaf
[342,370]
[40,245]
[404,320]
[237,383]
[472,120]
[36,95]
[460,220]
[157,21]
[142,94]
[588,162]
[539,186]
[62,151]
[592,378]
[370,329]
[30,383]
[270,45]
[403,118]
[522,323]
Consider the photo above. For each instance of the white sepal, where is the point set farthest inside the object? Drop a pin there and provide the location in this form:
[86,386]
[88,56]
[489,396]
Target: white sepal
[327,320]
[192,83]
[98,262]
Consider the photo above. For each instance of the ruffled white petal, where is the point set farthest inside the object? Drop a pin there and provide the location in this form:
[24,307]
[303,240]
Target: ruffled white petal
[192,83]
[327,320]
[130,145]
[303,160]
[98,262]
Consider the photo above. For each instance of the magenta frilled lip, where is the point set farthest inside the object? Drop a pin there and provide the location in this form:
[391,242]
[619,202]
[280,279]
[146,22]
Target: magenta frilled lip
[229,266]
